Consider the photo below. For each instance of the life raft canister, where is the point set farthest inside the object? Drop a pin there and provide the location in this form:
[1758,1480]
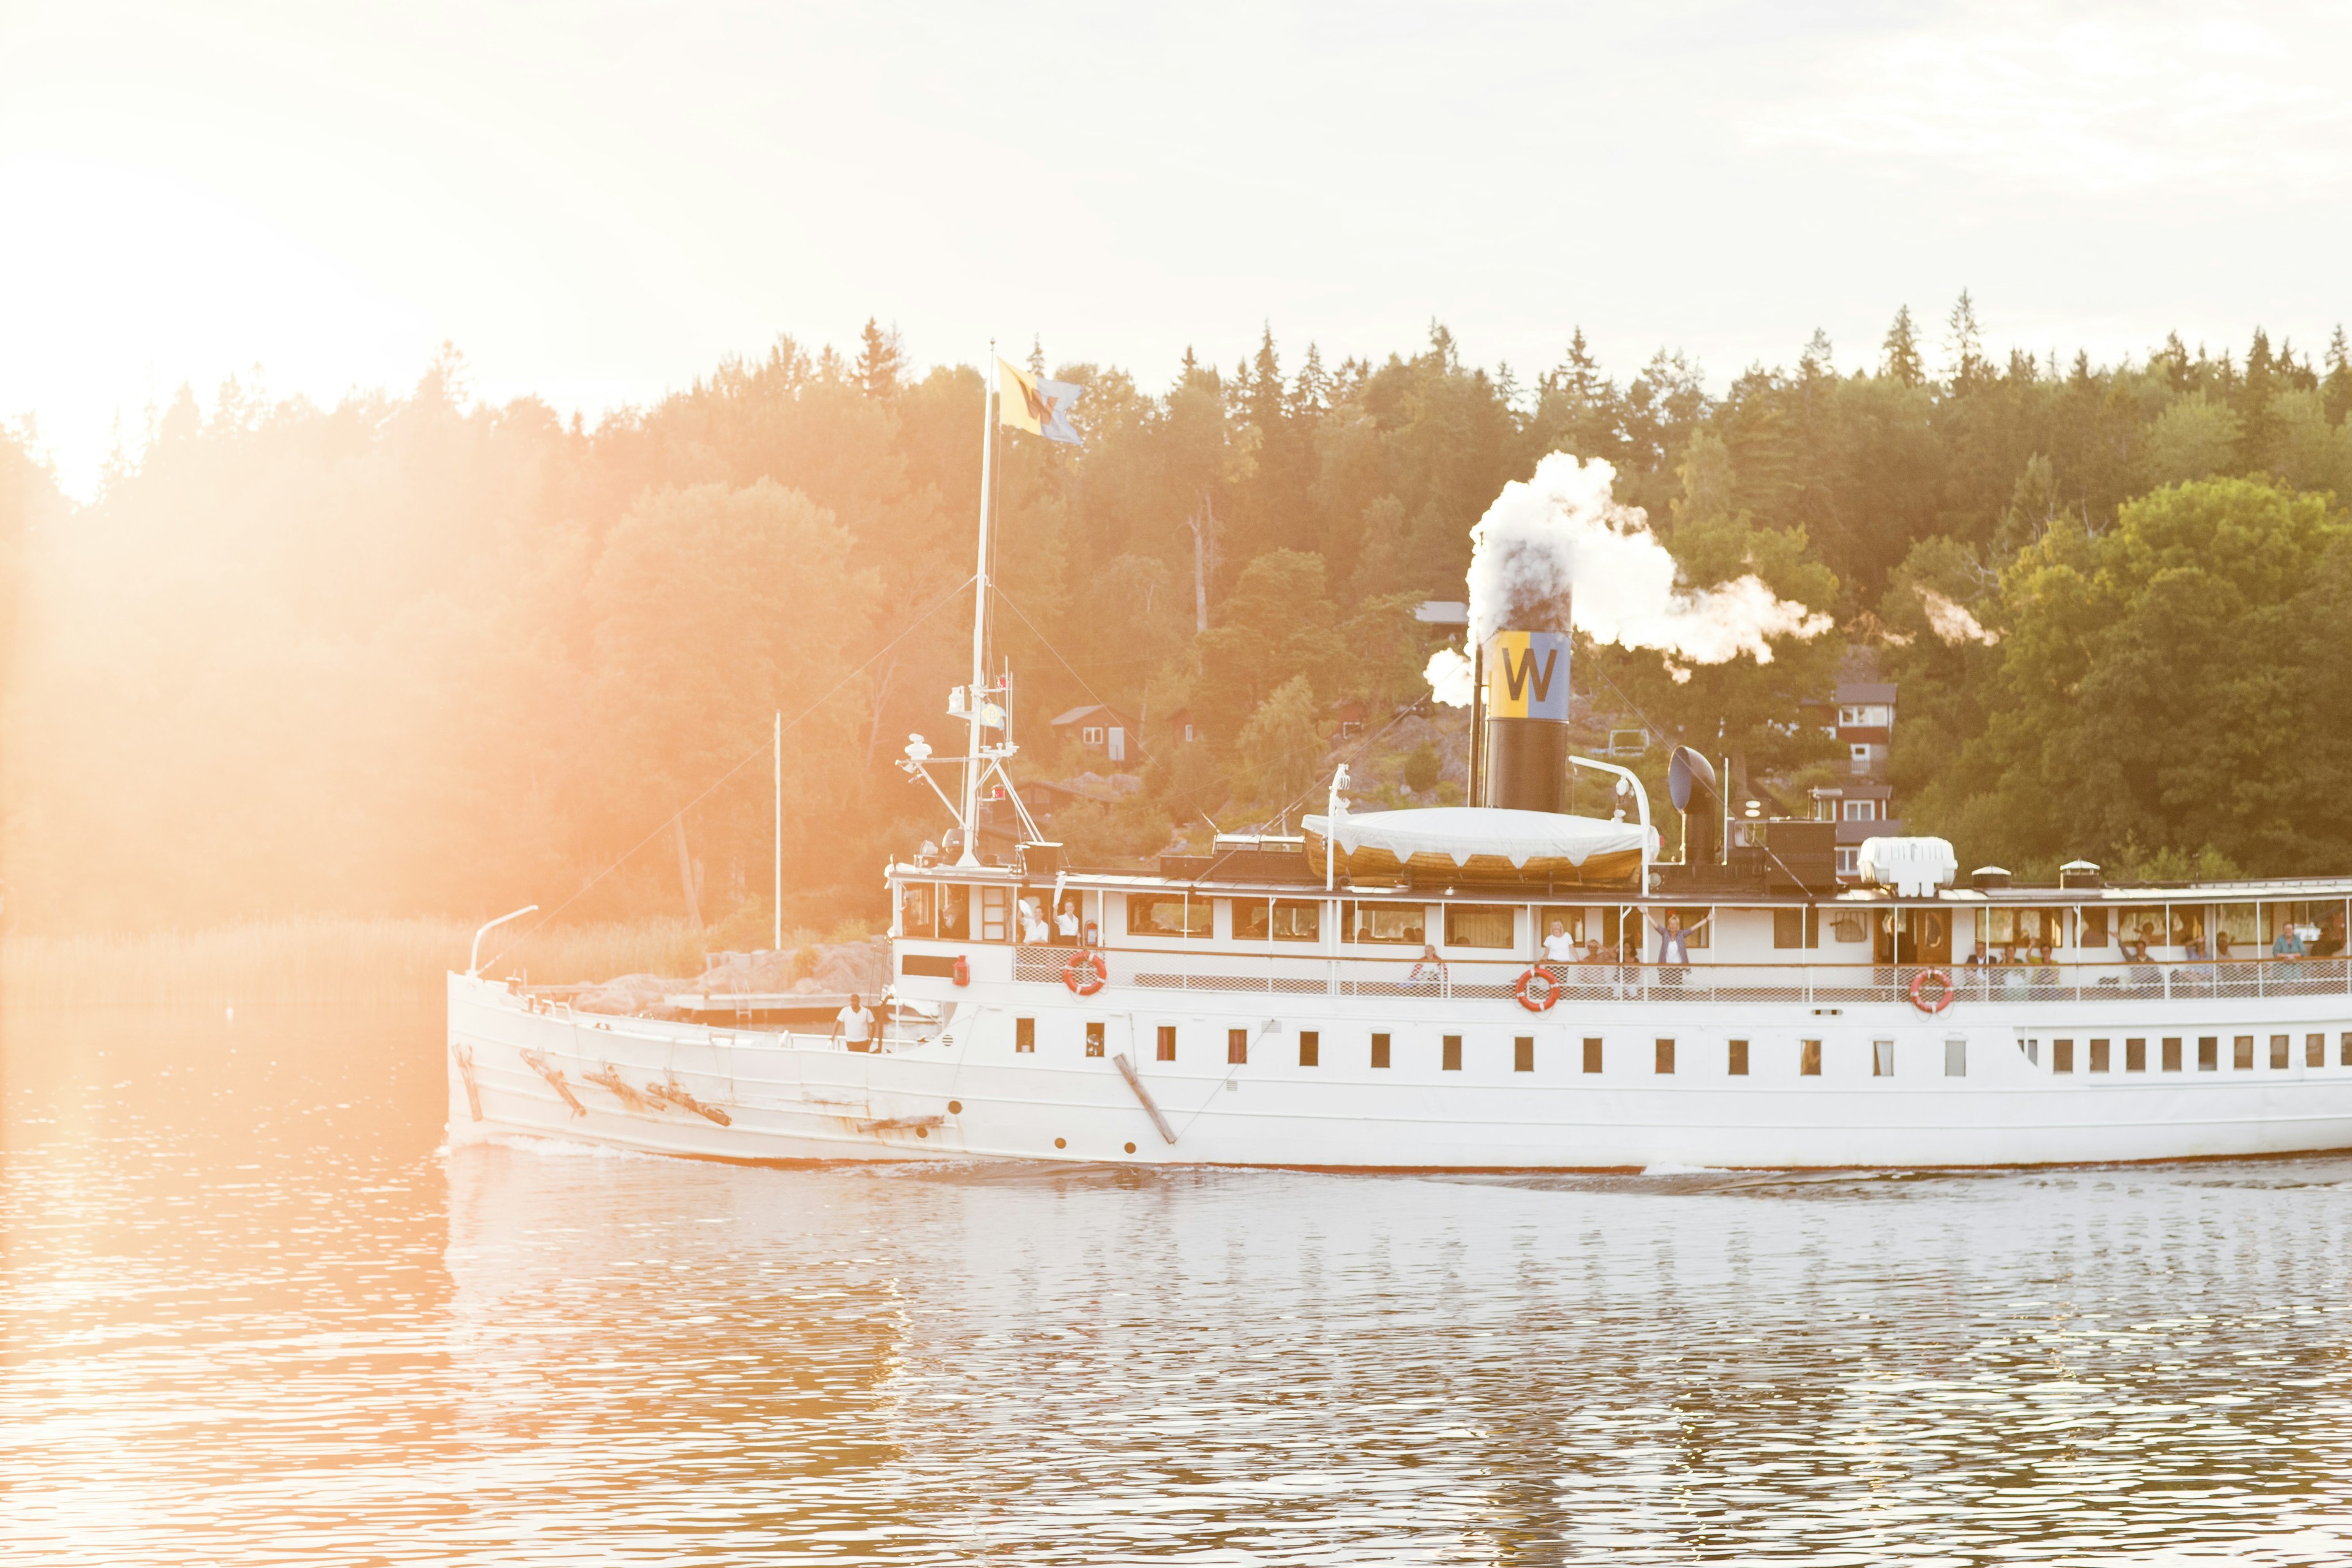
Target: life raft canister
[962,969]
[1085,973]
[1943,996]
[1537,989]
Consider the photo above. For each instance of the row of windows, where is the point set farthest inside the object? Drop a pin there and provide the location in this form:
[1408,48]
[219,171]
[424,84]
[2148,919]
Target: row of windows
[2101,1055]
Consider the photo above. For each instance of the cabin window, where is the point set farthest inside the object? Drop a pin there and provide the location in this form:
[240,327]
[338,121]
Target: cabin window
[1479,925]
[1167,1052]
[2279,1048]
[2346,1060]
[1956,1058]
[1592,1056]
[2135,1055]
[2240,922]
[2209,1053]
[1665,1056]
[955,912]
[2241,1053]
[1579,923]
[1808,1060]
[1881,1058]
[1170,914]
[2033,1050]
[1277,919]
[2314,1050]
[1090,734]
[1310,1048]
[1523,1054]
[2062,1056]
[1797,928]
[1449,1057]
[2019,928]
[2090,927]
[996,914]
[1380,1050]
[2171,1054]
[1094,1039]
[2098,1055]
[1025,1034]
[2141,922]
[1738,1064]
[1388,923]
[1236,1046]
[916,910]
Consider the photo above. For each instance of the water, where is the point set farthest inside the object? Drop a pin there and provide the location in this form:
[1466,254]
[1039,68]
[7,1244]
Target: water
[252,1316]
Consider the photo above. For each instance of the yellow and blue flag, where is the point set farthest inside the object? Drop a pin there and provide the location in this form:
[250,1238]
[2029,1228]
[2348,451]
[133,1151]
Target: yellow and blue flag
[1040,407]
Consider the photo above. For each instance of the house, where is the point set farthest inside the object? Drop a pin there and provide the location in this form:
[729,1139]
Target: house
[1181,727]
[1098,729]
[1347,720]
[1862,803]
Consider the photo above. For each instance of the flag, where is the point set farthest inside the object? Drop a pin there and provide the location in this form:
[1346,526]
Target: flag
[1040,407]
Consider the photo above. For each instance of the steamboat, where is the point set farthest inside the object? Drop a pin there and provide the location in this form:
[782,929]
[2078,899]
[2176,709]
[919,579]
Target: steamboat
[1503,986]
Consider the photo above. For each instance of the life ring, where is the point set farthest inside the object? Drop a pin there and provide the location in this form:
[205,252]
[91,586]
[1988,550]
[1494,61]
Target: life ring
[1943,997]
[1530,997]
[962,969]
[1085,973]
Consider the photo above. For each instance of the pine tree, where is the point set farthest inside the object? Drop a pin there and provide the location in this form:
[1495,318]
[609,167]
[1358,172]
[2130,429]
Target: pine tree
[1966,342]
[881,360]
[2337,388]
[1902,348]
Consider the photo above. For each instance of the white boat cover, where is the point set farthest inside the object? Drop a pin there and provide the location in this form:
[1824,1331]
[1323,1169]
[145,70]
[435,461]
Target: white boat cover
[1914,868]
[1467,837]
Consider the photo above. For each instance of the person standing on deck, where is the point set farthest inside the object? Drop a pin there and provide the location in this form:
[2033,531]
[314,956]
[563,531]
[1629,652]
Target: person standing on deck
[1558,947]
[854,1025]
[2288,943]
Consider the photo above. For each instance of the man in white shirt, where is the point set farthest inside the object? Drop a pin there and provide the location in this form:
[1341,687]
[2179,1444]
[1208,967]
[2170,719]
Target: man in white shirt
[854,1025]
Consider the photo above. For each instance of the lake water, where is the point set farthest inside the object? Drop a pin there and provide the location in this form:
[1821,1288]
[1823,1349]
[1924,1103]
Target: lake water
[250,1315]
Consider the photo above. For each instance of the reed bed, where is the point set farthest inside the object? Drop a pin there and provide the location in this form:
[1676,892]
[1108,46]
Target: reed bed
[327,960]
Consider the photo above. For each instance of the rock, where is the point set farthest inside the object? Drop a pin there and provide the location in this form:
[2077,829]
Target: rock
[631,995]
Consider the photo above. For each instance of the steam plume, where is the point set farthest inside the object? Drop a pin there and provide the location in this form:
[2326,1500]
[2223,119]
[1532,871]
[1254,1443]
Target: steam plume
[1562,531]
[1951,622]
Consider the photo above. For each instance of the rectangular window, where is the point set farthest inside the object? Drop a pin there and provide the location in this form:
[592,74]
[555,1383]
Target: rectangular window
[1167,1042]
[1808,1060]
[2171,1054]
[1479,925]
[2314,1050]
[1592,1056]
[2241,1053]
[1738,1064]
[1450,1054]
[1797,928]
[2062,1056]
[2279,1047]
[1388,922]
[2090,927]
[1665,1056]
[1310,1048]
[1523,1054]
[915,907]
[1849,861]
[2346,1059]
[1025,1034]
[1090,736]
[2209,1054]
[2135,1055]
[1094,1039]
[1236,1046]
[1170,914]
[1380,1050]
[1881,1058]
[1956,1058]
[996,914]
[1277,920]
[955,912]
[2098,1055]
[2033,1050]
[1860,810]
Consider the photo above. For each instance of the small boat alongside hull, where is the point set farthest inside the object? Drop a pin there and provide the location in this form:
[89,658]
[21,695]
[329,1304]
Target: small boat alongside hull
[1469,1085]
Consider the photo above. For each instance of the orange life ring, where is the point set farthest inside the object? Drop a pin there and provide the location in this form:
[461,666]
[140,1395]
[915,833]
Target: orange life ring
[962,969]
[1537,974]
[1085,973]
[1943,990]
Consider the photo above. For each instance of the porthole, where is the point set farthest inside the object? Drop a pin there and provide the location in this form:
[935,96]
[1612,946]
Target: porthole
[922,1132]
[1061,1143]
[1130,1148]
[955,1107]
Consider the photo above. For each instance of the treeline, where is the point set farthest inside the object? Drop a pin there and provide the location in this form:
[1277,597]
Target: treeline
[421,654]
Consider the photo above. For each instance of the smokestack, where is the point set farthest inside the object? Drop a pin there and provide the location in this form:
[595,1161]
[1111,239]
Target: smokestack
[1523,764]
[1691,782]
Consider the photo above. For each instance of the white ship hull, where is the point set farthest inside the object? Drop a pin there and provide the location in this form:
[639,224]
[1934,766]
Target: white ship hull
[1962,1089]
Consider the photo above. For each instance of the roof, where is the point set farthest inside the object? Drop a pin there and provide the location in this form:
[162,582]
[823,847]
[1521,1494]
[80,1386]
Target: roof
[1865,691]
[1075,714]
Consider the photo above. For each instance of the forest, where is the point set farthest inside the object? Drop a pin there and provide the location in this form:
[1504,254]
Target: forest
[421,654]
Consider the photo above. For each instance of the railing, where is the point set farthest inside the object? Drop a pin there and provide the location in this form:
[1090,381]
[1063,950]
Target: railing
[1302,975]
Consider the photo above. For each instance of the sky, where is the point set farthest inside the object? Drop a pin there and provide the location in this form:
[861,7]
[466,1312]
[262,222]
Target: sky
[595,202]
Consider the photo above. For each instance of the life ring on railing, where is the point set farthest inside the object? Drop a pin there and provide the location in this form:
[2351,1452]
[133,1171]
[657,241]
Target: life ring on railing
[1943,996]
[962,969]
[1537,989]
[1085,973]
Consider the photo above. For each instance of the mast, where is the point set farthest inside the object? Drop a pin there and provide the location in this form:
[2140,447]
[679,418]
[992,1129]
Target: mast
[971,697]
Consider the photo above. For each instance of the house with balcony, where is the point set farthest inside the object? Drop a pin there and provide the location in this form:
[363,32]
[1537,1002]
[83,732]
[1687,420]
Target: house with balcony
[1860,802]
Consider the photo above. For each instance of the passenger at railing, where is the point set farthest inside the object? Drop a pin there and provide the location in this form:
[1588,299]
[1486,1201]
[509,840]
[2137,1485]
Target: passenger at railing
[2331,941]
[2012,972]
[1673,945]
[2288,943]
[1428,970]
[2046,971]
[1065,919]
[1034,930]
[2144,976]
[2221,954]
[1558,947]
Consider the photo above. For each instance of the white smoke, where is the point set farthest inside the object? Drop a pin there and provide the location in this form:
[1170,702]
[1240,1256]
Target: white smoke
[1561,533]
[1951,622]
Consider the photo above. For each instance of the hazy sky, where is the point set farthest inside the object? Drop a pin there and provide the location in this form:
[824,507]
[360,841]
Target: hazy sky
[595,202]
